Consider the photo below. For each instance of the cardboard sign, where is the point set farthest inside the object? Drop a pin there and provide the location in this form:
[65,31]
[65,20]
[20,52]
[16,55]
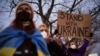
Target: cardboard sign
[74,25]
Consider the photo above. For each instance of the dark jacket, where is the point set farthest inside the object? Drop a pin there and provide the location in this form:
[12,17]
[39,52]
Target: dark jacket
[55,49]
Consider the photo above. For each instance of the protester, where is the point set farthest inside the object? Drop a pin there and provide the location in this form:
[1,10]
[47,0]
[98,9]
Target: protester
[21,38]
[74,50]
[53,46]
[62,41]
[59,39]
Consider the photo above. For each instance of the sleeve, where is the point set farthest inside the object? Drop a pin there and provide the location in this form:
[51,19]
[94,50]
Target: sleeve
[84,46]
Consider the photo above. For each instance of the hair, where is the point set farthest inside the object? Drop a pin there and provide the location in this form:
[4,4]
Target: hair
[73,40]
[15,24]
[24,3]
[45,27]
[56,31]
[91,34]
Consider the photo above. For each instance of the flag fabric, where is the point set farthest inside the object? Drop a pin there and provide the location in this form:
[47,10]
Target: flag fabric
[11,39]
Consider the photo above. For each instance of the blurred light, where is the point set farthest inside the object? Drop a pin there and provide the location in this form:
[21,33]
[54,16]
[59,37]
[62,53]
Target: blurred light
[93,54]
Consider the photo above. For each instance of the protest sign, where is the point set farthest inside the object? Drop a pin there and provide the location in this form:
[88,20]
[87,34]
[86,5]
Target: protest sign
[74,25]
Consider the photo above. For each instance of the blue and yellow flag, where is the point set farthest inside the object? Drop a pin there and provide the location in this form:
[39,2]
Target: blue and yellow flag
[11,39]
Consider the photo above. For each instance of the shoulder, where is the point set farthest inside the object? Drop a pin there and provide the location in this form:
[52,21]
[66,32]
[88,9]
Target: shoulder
[9,30]
[36,33]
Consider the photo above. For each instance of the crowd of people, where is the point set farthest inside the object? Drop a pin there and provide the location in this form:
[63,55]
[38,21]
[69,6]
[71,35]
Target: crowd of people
[59,46]
[22,38]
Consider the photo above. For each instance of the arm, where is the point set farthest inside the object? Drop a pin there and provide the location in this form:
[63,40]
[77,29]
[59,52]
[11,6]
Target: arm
[84,46]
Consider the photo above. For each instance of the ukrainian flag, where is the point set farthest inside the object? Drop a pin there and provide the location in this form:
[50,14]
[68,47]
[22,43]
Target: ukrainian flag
[11,39]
